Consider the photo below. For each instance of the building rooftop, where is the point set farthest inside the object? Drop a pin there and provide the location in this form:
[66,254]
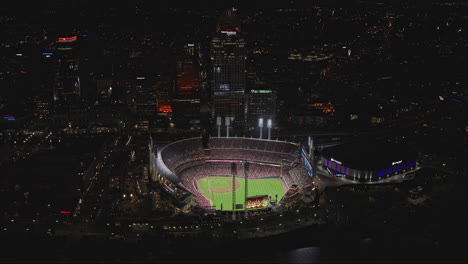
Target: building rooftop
[369,154]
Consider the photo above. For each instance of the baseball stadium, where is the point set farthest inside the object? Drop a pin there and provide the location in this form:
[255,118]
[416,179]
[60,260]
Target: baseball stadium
[230,174]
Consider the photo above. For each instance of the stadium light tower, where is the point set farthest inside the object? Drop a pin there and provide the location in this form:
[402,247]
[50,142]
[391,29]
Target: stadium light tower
[260,125]
[218,123]
[234,201]
[246,174]
[269,125]
[227,121]
[311,149]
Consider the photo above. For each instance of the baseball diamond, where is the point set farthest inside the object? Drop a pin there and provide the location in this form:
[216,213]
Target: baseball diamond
[220,196]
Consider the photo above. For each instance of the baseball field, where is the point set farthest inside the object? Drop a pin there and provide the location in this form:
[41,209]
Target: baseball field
[219,190]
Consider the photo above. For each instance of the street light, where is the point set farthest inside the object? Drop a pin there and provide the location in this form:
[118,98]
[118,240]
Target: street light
[227,120]
[218,123]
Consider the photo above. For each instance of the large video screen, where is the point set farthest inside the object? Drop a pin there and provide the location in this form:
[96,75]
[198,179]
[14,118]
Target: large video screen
[257,202]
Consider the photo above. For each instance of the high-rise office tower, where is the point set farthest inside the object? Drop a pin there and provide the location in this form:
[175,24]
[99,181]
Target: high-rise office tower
[69,107]
[187,71]
[145,96]
[67,86]
[228,56]
[163,84]
[186,99]
[42,95]
[41,107]
[151,99]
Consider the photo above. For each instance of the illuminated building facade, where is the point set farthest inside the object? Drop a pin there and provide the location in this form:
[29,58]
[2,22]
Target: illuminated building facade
[145,96]
[326,108]
[186,100]
[163,85]
[144,101]
[69,107]
[369,161]
[228,56]
[67,87]
[152,95]
[187,72]
[41,108]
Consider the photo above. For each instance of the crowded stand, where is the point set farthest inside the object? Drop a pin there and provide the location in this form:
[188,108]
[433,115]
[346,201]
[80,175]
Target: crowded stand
[255,144]
[251,155]
[300,176]
[180,151]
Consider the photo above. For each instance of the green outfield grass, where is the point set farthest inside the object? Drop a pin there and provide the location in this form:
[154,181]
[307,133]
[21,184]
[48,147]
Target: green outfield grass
[256,187]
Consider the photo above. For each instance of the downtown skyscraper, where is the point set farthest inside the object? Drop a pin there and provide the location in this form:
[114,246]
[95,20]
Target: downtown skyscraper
[228,57]
[186,99]
[67,82]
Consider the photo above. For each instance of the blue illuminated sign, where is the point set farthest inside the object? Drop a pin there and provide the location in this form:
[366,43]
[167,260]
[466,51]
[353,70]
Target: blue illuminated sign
[379,173]
[9,118]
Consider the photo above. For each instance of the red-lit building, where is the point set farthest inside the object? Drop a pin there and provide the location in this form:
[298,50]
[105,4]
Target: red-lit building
[186,100]
[67,81]
[163,102]
[187,76]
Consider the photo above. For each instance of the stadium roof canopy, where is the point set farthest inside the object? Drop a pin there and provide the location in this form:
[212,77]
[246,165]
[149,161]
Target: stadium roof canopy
[369,155]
